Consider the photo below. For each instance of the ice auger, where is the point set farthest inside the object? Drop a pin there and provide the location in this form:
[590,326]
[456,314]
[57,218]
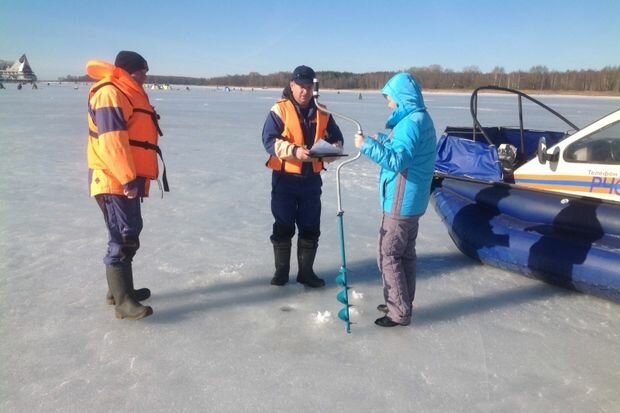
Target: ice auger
[341,279]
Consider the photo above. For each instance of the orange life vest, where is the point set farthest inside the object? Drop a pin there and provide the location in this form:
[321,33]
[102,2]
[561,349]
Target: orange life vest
[293,133]
[127,147]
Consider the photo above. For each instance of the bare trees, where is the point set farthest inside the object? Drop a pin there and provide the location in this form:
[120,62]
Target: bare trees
[539,78]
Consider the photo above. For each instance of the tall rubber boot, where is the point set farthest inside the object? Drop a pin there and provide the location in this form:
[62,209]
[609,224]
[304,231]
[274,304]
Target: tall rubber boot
[125,305]
[282,258]
[140,294]
[306,252]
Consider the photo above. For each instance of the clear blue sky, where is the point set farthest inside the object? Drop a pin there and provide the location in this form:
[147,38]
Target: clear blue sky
[219,37]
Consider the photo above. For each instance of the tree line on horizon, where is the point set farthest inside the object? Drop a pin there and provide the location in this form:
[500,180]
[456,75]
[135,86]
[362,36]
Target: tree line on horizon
[606,80]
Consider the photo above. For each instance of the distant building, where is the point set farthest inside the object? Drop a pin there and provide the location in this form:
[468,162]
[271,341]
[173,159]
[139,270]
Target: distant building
[18,71]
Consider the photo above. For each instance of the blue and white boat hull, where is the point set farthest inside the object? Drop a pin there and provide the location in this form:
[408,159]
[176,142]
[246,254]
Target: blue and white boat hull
[565,240]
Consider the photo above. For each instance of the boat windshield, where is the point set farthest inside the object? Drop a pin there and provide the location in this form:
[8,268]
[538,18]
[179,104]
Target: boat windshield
[600,147]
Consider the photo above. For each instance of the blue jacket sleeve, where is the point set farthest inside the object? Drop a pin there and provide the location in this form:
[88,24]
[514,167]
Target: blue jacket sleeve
[272,130]
[382,137]
[395,154]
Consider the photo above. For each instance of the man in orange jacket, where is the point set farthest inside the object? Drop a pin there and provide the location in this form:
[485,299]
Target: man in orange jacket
[122,159]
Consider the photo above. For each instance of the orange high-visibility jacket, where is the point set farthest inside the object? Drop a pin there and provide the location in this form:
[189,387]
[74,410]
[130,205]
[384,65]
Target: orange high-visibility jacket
[292,136]
[123,131]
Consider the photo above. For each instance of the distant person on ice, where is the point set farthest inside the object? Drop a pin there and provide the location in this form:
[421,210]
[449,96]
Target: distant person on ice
[122,160]
[407,159]
[292,127]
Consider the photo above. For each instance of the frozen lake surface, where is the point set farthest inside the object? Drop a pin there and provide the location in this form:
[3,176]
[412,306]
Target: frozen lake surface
[221,338]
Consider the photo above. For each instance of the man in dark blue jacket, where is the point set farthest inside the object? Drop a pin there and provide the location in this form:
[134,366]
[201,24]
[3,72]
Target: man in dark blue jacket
[292,127]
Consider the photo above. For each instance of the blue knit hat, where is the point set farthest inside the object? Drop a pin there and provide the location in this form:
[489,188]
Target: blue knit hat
[130,61]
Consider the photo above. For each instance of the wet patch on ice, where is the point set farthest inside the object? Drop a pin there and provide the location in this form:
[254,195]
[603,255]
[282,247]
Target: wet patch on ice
[169,268]
[357,296]
[322,317]
[353,312]
[231,270]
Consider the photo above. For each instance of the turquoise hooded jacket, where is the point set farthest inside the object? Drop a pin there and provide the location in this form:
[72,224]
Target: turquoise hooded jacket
[407,156]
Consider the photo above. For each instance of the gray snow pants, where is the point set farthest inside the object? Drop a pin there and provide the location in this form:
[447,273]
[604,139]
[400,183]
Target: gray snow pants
[397,263]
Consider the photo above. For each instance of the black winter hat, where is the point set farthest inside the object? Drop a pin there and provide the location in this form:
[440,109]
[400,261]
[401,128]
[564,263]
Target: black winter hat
[130,61]
[303,75]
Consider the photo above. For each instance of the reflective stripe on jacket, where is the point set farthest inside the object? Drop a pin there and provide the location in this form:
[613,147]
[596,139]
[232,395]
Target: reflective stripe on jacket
[123,131]
[292,136]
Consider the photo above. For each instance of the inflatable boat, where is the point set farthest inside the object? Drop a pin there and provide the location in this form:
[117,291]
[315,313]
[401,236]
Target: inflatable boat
[544,203]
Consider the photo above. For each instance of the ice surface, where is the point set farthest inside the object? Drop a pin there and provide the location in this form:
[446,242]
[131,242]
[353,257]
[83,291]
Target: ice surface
[221,338]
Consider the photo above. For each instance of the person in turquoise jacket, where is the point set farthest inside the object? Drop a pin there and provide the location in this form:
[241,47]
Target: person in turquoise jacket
[407,158]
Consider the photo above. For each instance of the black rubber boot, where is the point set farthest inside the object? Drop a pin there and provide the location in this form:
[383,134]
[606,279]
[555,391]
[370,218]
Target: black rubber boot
[282,258]
[386,321]
[125,305]
[306,252]
[140,294]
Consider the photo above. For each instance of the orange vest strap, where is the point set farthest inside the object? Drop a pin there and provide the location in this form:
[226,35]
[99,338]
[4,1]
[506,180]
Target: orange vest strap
[148,145]
[154,116]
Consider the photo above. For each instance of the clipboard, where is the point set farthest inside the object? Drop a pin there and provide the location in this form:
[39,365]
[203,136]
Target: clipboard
[323,149]
[327,155]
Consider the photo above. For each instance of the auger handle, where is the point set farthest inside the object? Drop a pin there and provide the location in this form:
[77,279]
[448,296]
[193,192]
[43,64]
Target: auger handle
[315,95]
